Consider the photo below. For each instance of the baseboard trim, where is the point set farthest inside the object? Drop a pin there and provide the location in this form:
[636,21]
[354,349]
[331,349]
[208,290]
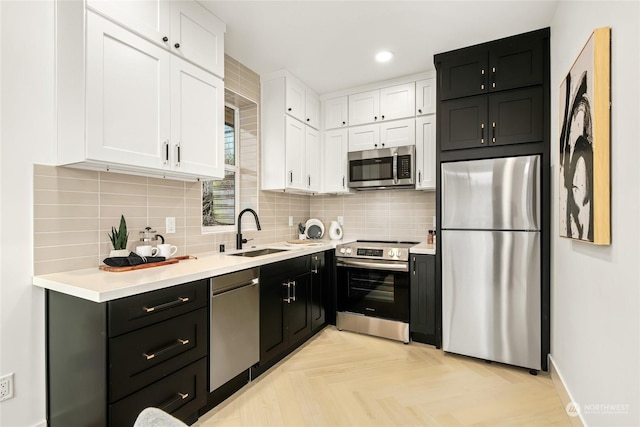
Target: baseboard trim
[563,393]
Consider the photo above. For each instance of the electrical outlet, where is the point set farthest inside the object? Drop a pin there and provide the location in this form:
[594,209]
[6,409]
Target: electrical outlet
[290,221]
[341,220]
[6,387]
[170,224]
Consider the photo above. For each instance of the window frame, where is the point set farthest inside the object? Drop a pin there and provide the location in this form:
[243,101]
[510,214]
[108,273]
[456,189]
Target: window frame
[211,229]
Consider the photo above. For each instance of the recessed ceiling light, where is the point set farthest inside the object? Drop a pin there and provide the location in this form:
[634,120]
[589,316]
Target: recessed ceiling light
[384,56]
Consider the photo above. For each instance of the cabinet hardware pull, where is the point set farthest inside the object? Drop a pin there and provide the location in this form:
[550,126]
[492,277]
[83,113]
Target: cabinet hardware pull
[308,120]
[493,77]
[314,268]
[288,298]
[309,180]
[290,177]
[420,110]
[178,154]
[482,133]
[293,298]
[179,301]
[375,145]
[482,80]
[166,152]
[179,342]
[181,396]
[165,39]
[343,182]
[419,176]
[289,109]
[382,117]
[383,144]
[344,123]
[375,117]
[493,133]
[177,45]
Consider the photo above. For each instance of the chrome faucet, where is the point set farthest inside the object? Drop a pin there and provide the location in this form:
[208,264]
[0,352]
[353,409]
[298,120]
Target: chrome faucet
[239,239]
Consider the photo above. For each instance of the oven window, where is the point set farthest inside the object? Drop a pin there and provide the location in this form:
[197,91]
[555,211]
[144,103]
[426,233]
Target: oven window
[371,286]
[371,169]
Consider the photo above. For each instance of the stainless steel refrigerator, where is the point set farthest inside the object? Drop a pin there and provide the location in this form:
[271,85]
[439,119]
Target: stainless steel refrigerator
[491,272]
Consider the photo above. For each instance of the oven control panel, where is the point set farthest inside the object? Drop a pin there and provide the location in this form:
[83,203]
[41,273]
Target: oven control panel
[399,252]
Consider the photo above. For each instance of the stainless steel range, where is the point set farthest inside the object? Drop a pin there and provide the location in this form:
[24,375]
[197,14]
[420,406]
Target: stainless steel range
[373,288]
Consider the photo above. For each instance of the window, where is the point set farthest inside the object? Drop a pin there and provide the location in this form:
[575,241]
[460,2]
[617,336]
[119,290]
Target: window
[220,197]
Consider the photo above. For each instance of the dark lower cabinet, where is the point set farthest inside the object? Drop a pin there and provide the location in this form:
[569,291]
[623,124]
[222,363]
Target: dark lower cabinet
[422,324]
[106,362]
[320,291]
[294,295]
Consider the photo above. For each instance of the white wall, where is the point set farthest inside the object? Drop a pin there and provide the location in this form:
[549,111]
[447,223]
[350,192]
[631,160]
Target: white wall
[595,290]
[27,135]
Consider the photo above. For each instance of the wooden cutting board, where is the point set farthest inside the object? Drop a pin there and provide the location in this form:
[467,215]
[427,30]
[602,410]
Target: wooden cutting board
[143,266]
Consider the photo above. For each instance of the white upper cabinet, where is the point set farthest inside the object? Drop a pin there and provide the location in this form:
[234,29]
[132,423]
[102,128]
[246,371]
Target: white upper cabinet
[127,104]
[290,143]
[390,103]
[396,133]
[197,121]
[127,114]
[335,161]
[336,112]
[301,102]
[426,96]
[426,153]
[197,36]
[184,27]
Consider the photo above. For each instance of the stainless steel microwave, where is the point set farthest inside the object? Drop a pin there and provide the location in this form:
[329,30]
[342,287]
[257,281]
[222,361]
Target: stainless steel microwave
[382,168]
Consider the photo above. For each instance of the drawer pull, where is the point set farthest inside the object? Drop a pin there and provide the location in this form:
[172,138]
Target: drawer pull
[181,396]
[178,343]
[180,300]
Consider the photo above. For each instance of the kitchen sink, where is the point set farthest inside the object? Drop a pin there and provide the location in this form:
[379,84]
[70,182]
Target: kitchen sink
[259,252]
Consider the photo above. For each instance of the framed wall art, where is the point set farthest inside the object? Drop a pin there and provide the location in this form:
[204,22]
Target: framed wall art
[584,162]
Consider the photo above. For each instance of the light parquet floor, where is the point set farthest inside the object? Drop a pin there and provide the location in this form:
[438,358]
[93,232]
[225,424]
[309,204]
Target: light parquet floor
[347,379]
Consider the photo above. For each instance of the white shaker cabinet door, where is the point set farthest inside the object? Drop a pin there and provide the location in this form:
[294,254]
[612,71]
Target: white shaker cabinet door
[197,121]
[198,36]
[426,96]
[336,149]
[336,112]
[397,133]
[398,102]
[295,99]
[149,18]
[127,109]
[312,156]
[312,109]
[426,153]
[364,137]
[364,107]
[295,161]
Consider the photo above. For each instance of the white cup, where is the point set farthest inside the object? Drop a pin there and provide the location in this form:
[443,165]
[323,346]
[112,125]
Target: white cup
[166,250]
[146,250]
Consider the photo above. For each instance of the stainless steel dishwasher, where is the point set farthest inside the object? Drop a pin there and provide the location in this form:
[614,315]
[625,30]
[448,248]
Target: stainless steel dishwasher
[235,325]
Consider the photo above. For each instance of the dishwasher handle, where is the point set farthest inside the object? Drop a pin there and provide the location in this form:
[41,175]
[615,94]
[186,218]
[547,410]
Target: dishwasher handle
[229,288]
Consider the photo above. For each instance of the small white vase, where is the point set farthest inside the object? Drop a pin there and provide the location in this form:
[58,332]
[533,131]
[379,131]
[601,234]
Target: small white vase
[302,236]
[118,253]
[335,231]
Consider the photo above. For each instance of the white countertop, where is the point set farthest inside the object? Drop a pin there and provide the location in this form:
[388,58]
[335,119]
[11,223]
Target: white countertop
[423,249]
[101,286]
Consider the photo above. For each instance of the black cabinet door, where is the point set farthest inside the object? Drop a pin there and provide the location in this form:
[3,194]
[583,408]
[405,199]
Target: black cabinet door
[515,116]
[502,118]
[273,333]
[462,73]
[423,299]
[319,290]
[516,62]
[463,123]
[298,309]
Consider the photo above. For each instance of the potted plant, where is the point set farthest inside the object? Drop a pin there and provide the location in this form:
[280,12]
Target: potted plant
[119,239]
[301,228]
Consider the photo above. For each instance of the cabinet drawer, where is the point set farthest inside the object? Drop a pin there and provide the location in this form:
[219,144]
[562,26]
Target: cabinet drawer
[148,354]
[181,394]
[135,312]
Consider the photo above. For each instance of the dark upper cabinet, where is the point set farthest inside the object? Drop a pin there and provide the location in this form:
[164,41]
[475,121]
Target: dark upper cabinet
[500,65]
[501,118]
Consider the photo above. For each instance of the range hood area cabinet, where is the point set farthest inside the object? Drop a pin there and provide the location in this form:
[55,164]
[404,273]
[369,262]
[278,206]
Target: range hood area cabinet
[291,152]
[140,97]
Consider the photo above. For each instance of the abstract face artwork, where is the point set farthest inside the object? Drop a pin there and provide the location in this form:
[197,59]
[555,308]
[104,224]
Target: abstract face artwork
[584,144]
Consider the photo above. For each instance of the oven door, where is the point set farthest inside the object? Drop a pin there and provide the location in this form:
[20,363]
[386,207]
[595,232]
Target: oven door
[373,288]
